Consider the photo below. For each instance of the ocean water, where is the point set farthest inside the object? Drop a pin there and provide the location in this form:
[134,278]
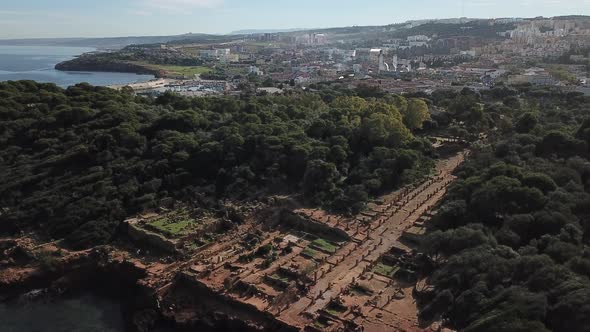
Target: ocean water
[37,63]
[85,313]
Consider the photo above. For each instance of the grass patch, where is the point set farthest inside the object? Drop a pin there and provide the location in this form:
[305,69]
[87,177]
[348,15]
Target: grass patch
[165,226]
[280,277]
[324,245]
[385,270]
[186,71]
[334,309]
[320,325]
[277,281]
[561,73]
[308,252]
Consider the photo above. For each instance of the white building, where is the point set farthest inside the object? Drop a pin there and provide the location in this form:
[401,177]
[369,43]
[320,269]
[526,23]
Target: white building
[301,79]
[418,38]
[470,53]
[494,74]
[534,76]
[255,70]
[349,55]
[374,54]
[312,39]
[215,53]
[418,44]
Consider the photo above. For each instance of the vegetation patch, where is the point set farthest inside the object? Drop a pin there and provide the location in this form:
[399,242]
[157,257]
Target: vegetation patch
[281,277]
[310,253]
[171,228]
[276,280]
[185,71]
[324,245]
[335,308]
[514,217]
[321,323]
[562,74]
[385,270]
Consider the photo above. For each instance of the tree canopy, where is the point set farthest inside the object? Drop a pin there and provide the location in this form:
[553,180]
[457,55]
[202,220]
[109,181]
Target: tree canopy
[75,162]
[513,232]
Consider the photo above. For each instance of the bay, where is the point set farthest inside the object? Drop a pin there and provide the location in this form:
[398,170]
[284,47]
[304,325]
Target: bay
[37,63]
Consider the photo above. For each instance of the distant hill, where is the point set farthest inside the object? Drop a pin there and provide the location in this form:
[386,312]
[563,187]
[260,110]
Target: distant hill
[101,43]
[257,31]
[442,27]
[572,17]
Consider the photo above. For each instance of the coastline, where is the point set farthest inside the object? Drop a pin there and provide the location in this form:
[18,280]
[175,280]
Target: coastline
[87,64]
[44,64]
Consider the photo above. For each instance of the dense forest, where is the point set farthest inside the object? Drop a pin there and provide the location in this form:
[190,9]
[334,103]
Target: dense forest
[511,249]
[75,162]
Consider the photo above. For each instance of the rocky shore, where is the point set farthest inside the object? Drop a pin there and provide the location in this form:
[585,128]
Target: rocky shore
[40,271]
[49,271]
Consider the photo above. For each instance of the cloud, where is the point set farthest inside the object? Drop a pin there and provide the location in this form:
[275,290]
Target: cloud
[180,6]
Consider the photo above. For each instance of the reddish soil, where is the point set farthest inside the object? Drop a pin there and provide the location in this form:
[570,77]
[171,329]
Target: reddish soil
[299,286]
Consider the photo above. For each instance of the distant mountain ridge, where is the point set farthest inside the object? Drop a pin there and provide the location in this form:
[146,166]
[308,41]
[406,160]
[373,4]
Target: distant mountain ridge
[121,42]
[257,31]
[101,43]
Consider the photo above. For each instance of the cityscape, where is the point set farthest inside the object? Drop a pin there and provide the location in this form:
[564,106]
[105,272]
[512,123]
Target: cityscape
[465,53]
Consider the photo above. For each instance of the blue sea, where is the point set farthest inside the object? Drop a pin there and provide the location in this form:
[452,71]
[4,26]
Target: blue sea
[37,63]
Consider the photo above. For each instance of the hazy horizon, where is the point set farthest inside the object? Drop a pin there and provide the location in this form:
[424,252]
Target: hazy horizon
[74,19]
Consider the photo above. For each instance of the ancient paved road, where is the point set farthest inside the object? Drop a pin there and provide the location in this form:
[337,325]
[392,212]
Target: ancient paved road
[353,258]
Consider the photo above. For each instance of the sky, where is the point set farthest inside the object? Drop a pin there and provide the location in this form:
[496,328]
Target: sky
[106,18]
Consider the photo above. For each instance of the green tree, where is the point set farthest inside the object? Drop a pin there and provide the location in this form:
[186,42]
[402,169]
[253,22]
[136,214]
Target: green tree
[526,123]
[320,181]
[383,129]
[415,114]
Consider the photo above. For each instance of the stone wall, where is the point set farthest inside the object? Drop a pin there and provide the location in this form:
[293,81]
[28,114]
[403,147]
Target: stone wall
[304,224]
[156,240]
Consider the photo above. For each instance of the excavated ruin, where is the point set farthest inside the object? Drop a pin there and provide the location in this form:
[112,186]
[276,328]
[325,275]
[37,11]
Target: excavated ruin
[276,266]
